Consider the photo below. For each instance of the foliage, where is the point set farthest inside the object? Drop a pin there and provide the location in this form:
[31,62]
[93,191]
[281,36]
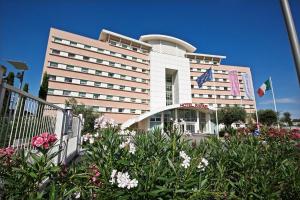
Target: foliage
[87,113]
[287,118]
[267,117]
[26,87]
[44,87]
[167,166]
[229,115]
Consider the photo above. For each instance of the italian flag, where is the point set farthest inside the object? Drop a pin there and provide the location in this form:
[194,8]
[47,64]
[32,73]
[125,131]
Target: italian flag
[264,87]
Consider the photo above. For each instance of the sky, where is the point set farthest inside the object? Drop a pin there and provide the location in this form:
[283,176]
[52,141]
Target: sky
[248,32]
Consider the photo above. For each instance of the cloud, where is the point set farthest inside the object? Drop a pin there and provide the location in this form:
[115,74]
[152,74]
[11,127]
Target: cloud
[281,101]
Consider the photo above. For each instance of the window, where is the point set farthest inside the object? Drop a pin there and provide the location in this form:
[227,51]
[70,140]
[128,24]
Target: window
[70,67]
[124,46]
[83,82]
[98,72]
[50,91]
[133,99]
[110,74]
[133,78]
[87,46]
[53,64]
[66,93]
[97,84]
[124,56]
[110,86]
[144,90]
[134,48]
[123,76]
[71,55]
[111,64]
[109,97]
[218,96]
[225,88]
[82,94]
[134,58]
[123,66]
[55,51]
[68,80]
[133,89]
[99,61]
[132,111]
[122,87]
[86,58]
[100,50]
[112,53]
[96,96]
[109,109]
[73,43]
[52,78]
[57,40]
[121,110]
[144,70]
[121,98]
[209,96]
[95,108]
[84,70]
[134,68]
[113,43]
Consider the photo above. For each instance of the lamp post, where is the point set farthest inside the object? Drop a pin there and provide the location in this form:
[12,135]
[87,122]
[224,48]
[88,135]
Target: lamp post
[20,66]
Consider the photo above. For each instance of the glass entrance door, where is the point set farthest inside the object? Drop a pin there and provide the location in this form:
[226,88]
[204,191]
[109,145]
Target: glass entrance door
[190,128]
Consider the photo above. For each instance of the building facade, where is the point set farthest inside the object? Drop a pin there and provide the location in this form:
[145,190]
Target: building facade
[142,83]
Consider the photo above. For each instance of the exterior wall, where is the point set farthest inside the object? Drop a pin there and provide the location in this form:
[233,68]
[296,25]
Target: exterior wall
[161,61]
[225,97]
[121,104]
[124,83]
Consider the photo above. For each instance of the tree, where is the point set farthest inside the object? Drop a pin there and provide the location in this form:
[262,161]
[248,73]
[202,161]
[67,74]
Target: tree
[10,80]
[26,87]
[44,87]
[230,115]
[87,113]
[287,118]
[267,117]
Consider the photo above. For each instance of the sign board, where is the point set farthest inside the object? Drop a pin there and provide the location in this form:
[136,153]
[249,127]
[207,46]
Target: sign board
[193,105]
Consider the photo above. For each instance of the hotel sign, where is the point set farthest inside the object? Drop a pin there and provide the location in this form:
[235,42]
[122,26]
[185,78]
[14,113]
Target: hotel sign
[193,105]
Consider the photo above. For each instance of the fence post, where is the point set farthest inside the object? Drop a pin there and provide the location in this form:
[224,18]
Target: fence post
[59,130]
[2,89]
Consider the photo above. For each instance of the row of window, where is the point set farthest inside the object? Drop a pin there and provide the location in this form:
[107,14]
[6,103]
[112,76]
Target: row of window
[232,105]
[224,80]
[213,71]
[97,84]
[218,96]
[98,50]
[126,46]
[97,72]
[204,61]
[115,110]
[58,92]
[99,61]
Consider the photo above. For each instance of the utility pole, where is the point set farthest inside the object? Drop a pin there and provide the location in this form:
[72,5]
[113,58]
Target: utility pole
[290,26]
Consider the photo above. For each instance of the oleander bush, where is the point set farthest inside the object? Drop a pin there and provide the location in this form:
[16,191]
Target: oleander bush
[155,165]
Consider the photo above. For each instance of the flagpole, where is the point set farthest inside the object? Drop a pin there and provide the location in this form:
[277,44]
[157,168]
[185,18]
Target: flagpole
[274,101]
[257,123]
[217,121]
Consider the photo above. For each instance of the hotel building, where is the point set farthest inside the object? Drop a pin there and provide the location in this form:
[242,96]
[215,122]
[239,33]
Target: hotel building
[140,83]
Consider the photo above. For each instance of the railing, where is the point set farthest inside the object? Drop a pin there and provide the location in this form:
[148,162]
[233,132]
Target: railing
[23,116]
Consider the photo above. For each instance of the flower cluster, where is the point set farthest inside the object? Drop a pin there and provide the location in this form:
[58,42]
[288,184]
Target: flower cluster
[186,159]
[128,144]
[123,180]
[43,141]
[7,152]
[127,133]
[203,164]
[104,122]
[95,178]
[90,138]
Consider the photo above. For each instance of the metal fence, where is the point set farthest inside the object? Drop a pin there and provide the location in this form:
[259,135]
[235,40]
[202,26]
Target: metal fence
[23,116]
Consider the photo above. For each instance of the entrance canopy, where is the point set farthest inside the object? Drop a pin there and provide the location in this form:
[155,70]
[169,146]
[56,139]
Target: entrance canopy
[202,107]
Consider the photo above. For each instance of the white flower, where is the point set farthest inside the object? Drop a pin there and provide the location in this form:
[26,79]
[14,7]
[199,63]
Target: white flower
[112,176]
[131,148]
[203,164]
[123,179]
[132,184]
[96,135]
[186,162]
[77,195]
[91,140]
[104,147]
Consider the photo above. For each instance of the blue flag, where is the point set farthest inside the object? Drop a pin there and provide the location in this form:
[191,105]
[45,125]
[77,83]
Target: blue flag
[207,76]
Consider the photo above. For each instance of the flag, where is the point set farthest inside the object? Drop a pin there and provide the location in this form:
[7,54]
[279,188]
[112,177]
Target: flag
[264,87]
[206,76]
[234,82]
[248,86]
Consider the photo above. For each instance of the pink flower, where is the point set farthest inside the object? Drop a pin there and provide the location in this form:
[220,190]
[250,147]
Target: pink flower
[8,151]
[37,141]
[296,136]
[43,141]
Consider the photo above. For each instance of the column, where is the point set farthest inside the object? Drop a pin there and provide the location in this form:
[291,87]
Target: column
[162,120]
[208,120]
[176,115]
[197,127]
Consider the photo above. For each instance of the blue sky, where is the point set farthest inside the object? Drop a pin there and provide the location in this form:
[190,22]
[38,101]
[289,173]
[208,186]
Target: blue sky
[249,32]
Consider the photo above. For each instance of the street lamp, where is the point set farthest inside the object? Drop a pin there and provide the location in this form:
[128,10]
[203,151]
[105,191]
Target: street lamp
[20,66]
